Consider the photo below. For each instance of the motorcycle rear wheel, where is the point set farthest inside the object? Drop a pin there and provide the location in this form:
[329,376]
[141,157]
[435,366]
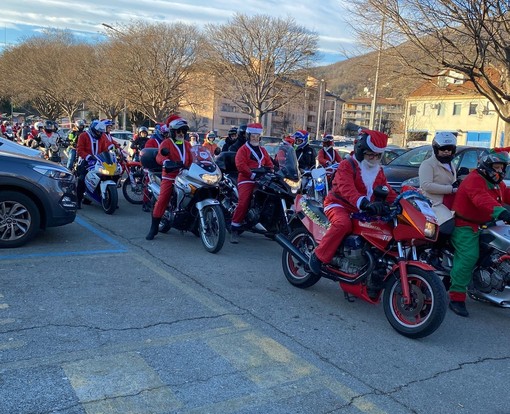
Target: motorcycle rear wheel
[133,193]
[213,236]
[297,274]
[427,310]
[111,199]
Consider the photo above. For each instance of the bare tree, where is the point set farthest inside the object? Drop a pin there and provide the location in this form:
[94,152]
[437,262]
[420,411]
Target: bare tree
[43,73]
[469,37]
[150,65]
[252,59]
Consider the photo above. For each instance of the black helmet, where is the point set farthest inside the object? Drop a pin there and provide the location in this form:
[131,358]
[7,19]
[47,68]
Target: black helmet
[49,126]
[241,131]
[486,169]
[143,129]
[232,131]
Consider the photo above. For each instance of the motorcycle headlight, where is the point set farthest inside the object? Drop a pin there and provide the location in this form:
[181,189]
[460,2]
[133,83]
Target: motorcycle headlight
[210,179]
[430,230]
[294,185]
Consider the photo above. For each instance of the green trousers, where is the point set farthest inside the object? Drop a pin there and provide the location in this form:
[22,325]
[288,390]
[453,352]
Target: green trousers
[466,244]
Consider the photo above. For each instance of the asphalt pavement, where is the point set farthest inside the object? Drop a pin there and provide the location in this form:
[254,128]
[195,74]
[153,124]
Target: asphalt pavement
[95,319]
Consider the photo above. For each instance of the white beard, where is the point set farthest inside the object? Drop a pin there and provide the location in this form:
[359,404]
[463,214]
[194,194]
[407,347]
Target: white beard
[255,143]
[369,171]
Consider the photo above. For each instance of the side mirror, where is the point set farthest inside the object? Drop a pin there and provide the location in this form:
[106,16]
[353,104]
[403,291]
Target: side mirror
[165,151]
[462,171]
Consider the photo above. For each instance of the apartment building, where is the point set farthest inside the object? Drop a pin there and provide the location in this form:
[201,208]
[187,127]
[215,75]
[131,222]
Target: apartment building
[449,102]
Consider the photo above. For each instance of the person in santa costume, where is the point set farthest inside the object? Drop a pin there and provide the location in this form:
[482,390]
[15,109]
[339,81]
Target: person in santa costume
[353,191]
[327,154]
[177,149]
[479,199]
[250,155]
[90,143]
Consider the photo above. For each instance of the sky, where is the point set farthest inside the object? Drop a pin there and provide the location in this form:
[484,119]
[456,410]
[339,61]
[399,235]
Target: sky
[20,19]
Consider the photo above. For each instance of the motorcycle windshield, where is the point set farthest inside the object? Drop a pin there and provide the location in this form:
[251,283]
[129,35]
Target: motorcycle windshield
[106,157]
[287,162]
[203,158]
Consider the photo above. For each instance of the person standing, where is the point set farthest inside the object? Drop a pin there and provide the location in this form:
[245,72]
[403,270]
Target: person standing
[77,130]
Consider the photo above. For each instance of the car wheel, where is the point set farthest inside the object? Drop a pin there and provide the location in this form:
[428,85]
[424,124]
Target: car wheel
[19,219]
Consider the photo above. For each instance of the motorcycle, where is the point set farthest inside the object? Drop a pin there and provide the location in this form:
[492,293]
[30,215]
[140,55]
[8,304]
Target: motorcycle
[317,181]
[273,197]
[490,282]
[193,206]
[134,183]
[374,259]
[101,181]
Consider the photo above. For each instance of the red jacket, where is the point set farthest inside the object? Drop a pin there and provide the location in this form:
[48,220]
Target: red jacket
[348,188]
[246,160]
[176,154]
[85,147]
[478,201]
[152,143]
[325,157]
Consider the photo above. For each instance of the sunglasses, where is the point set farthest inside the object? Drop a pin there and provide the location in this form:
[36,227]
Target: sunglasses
[450,148]
[373,155]
[181,131]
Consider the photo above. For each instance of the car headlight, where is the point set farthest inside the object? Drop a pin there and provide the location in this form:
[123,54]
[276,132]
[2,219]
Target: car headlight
[294,185]
[53,172]
[412,182]
[430,230]
[210,179]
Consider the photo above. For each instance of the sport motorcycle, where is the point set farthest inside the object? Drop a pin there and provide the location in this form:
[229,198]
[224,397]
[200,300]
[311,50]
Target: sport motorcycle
[101,181]
[372,262]
[193,205]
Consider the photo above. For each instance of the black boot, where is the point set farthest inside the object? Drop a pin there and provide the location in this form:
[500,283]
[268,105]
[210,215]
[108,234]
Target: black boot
[234,235]
[154,228]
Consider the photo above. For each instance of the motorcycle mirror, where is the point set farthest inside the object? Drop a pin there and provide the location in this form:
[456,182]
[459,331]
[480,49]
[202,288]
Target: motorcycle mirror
[165,151]
[381,192]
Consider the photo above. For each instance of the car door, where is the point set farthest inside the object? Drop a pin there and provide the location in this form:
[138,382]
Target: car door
[406,166]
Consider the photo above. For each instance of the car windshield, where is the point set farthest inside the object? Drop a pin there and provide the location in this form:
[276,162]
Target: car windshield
[412,158]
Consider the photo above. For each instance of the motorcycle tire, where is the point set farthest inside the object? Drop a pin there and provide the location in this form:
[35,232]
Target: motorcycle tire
[297,274]
[428,308]
[110,201]
[213,236]
[133,195]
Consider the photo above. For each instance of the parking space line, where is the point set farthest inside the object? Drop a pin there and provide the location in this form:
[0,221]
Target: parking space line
[117,246]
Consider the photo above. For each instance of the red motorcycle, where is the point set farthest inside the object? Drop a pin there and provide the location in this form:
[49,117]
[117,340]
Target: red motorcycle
[379,256]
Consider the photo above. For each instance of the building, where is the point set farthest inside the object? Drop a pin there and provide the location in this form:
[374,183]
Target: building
[449,102]
[389,115]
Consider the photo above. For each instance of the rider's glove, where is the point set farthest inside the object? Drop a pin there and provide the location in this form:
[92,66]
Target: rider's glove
[376,208]
[456,184]
[505,216]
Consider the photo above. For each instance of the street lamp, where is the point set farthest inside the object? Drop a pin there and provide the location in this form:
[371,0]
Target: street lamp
[319,108]
[376,80]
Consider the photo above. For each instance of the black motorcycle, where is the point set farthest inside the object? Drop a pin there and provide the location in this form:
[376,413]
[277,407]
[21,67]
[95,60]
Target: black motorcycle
[273,197]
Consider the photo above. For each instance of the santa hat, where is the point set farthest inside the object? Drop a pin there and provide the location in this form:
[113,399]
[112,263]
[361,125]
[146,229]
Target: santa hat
[171,118]
[255,128]
[376,141]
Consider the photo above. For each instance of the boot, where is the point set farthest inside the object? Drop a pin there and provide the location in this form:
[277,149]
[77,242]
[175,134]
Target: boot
[154,228]
[459,308]
[315,264]
[78,204]
[234,236]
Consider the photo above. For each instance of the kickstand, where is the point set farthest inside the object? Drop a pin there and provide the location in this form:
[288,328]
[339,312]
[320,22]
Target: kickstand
[348,297]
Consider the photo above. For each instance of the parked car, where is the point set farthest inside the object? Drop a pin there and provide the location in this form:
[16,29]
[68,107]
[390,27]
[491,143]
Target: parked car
[124,139]
[390,153]
[405,166]
[15,148]
[34,194]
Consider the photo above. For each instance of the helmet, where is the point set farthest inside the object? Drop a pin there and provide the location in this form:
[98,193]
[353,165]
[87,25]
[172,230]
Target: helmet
[194,135]
[301,136]
[486,169]
[5,123]
[108,123]
[80,124]
[327,140]
[49,126]
[38,125]
[232,131]
[174,123]
[211,135]
[368,140]
[289,139]
[97,128]
[444,141]
[241,131]
[143,129]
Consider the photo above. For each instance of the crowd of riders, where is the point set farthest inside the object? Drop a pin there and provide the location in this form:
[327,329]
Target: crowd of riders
[460,206]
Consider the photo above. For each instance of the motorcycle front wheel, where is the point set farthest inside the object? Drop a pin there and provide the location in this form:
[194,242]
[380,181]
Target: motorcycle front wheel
[213,235]
[297,274]
[133,192]
[428,304]
[111,199]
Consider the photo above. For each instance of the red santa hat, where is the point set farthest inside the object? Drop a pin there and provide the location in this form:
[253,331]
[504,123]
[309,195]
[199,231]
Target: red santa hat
[171,118]
[255,128]
[376,141]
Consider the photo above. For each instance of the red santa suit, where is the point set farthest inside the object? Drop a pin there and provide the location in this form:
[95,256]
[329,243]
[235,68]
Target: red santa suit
[352,183]
[246,159]
[328,156]
[88,146]
[180,151]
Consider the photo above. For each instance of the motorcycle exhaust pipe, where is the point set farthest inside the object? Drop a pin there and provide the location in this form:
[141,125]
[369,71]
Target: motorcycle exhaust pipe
[293,250]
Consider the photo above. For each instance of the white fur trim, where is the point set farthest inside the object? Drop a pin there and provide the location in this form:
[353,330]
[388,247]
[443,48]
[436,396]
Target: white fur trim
[372,146]
[254,130]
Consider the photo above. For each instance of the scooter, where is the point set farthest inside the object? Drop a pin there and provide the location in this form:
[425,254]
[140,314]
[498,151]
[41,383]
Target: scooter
[372,262]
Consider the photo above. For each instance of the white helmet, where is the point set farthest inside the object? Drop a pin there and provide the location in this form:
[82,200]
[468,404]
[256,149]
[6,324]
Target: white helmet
[38,125]
[442,139]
